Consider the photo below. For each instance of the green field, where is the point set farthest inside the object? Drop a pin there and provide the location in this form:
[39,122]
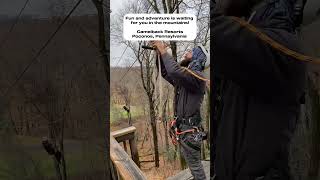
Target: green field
[117,113]
[24,158]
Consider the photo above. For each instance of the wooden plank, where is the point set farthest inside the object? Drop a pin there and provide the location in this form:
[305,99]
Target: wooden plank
[127,169]
[124,131]
[186,174]
[124,137]
[114,173]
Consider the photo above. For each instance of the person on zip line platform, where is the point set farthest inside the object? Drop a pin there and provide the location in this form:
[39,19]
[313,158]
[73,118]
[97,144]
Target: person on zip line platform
[186,130]
[262,87]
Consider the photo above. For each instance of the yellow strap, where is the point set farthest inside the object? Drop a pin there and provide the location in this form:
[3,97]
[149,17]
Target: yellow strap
[268,40]
[275,44]
[197,76]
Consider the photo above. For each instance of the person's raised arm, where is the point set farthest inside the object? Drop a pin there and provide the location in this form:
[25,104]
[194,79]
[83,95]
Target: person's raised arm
[176,73]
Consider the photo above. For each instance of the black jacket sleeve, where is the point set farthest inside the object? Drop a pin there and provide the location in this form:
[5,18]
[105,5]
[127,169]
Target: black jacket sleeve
[251,63]
[177,75]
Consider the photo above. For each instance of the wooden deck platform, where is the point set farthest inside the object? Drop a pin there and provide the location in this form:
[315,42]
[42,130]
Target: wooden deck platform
[123,166]
[186,174]
[127,168]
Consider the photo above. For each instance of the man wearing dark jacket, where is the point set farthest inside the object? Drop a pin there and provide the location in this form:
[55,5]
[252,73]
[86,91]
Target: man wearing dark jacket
[261,92]
[188,99]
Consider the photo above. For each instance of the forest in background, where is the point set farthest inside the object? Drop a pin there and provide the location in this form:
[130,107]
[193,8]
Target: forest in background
[54,88]
[138,86]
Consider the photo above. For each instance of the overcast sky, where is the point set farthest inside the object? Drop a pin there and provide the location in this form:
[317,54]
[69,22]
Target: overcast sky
[43,8]
[116,50]
[46,8]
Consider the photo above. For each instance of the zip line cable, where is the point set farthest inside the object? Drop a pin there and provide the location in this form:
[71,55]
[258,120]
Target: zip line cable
[75,75]
[82,31]
[4,40]
[42,49]
[7,35]
[122,55]
[86,35]
[129,67]
[128,70]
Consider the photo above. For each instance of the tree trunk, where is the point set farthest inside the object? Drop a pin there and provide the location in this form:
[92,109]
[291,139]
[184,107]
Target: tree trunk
[313,172]
[154,131]
[12,121]
[56,163]
[173,46]
[63,161]
[105,54]
[61,143]
[165,125]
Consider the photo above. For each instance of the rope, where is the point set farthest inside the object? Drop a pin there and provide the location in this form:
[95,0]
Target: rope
[197,76]
[265,38]
[160,86]
[124,75]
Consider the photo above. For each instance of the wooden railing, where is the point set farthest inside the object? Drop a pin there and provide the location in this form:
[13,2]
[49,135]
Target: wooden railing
[123,166]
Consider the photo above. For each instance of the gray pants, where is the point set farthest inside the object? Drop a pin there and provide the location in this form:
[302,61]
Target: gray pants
[192,156]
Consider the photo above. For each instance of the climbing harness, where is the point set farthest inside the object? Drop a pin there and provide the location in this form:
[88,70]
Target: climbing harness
[175,132]
[196,133]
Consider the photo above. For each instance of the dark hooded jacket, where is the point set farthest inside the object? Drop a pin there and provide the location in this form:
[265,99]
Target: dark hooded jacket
[261,94]
[189,89]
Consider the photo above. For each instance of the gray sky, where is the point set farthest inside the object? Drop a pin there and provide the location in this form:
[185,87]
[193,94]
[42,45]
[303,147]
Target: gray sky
[116,50]
[46,8]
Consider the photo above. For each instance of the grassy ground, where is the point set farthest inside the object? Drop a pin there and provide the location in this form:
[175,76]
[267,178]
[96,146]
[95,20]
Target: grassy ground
[24,158]
[117,113]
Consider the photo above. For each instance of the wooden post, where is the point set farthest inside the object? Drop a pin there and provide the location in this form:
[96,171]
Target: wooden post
[125,134]
[126,168]
[134,151]
[125,146]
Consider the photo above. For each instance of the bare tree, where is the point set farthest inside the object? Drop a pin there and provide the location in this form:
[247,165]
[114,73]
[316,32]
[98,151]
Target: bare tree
[125,93]
[103,9]
[147,60]
[313,126]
